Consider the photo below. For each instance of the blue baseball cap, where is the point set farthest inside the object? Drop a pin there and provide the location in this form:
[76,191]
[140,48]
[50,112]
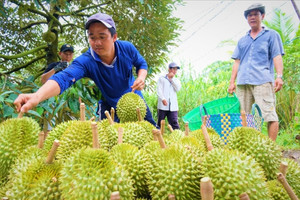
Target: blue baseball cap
[173,65]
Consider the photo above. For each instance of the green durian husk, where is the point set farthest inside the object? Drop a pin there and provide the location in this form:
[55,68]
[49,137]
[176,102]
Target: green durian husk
[277,190]
[293,175]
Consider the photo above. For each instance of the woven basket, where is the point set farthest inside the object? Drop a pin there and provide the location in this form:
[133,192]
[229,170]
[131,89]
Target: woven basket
[224,123]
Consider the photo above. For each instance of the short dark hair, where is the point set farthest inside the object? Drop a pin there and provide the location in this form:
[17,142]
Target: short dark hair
[112,31]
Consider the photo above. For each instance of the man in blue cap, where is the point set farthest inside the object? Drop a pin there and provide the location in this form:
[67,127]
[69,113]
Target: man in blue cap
[256,56]
[167,88]
[108,62]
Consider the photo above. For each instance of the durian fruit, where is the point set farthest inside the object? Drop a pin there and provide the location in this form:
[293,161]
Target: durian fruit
[92,174]
[16,134]
[36,177]
[127,107]
[233,173]
[136,163]
[293,175]
[49,36]
[277,190]
[215,139]
[194,146]
[174,170]
[253,143]
[148,127]
[174,136]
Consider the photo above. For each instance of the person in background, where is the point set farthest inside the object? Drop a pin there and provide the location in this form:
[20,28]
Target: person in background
[256,55]
[108,62]
[66,54]
[167,105]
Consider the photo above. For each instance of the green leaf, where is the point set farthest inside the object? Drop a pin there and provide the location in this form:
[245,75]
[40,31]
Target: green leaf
[8,111]
[34,113]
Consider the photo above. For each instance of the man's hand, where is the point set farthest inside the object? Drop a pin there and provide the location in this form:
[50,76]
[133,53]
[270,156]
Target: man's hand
[231,88]
[165,102]
[278,84]
[25,102]
[138,84]
[61,66]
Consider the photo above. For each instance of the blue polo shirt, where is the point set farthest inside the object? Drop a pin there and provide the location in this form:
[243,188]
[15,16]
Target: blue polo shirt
[113,80]
[256,57]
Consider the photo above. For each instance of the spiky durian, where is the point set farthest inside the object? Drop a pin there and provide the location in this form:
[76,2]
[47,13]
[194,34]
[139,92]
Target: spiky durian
[16,134]
[148,127]
[277,190]
[194,146]
[127,106]
[293,175]
[49,36]
[92,174]
[174,170]
[136,163]
[233,173]
[215,139]
[32,178]
[173,137]
[259,146]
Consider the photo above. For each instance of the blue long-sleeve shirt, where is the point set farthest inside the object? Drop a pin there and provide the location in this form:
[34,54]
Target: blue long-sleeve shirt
[113,80]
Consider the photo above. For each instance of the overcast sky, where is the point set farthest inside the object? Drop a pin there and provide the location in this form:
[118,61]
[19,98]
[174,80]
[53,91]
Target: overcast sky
[207,23]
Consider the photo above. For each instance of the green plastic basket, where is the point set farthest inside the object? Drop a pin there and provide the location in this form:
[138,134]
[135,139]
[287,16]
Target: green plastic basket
[228,104]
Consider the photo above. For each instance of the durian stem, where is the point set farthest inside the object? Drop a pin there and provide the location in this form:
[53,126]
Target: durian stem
[96,144]
[109,117]
[171,197]
[286,186]
[112,113]
[4,198]
[52,152]
[206,137]
[162,126]
[120,135]
[115,196]
[138,113]
[41,140]
[154,134]
[20,115]
[204,120]
[206,189]
[160,139]
[82,112]
[283,168]
[244,121]
[244,196]
[186,129]
[170,128]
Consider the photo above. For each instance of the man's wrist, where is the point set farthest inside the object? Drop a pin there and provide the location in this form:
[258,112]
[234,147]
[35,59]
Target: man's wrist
[279,76]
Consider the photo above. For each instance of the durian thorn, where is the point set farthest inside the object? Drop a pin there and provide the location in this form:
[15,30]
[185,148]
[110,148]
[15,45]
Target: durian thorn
[171,197]
[160,139]
[162,126]
[93,118]
[96,144]
[244,121]
[138,113]
[206,189]
[186,129]
[52,152]
[286,186]
[112,113]
[170,128]
[109,117]
[20,115]
[154,134]
[120,135]
[206,137]
[283,167]
[54,179]
[41,140]
[115,196]
[244,196]
[82,112]
[4,198]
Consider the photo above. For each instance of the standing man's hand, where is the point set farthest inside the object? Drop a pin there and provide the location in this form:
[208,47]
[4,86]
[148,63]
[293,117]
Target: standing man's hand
[231,88]
[278,84]
[165,102]
[138,84]
[25,102]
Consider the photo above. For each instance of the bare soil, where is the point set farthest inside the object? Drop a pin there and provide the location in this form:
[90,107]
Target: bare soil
[292,154]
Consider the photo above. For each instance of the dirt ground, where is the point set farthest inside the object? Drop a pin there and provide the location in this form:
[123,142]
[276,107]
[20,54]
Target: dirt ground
[293,154]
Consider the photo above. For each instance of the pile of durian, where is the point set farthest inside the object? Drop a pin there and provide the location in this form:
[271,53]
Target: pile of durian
[89,160]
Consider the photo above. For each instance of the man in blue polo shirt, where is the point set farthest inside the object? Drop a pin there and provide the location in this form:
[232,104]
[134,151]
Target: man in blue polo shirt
[256,55]
[108,62]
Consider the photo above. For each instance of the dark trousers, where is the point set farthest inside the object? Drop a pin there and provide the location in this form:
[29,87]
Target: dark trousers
[103,106]
[172,117]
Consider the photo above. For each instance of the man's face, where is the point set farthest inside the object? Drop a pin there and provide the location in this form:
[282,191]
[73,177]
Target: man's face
[255,18]
[173,71]
[101,40]
[66,56]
